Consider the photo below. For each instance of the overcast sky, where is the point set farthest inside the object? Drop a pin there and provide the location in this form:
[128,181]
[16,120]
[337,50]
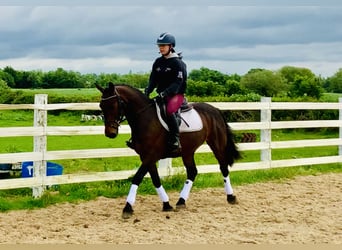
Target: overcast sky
[120,39]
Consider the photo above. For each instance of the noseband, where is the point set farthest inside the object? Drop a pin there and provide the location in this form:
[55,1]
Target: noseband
[121,105]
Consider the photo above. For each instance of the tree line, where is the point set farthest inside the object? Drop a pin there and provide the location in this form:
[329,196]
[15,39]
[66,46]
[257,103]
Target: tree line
[288,81]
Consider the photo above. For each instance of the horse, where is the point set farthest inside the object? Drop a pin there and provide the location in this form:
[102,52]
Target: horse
[121,102]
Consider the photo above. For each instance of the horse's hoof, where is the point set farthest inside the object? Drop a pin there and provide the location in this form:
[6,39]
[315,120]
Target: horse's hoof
[181,203]
[127,212]
[167,207]
[126,215]
[232,199]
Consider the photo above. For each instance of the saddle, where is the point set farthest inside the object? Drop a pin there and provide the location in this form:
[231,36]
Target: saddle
[187,117]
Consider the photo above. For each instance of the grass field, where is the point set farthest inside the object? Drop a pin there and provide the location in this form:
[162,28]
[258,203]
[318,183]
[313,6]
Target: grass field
[332,97]
[63,92]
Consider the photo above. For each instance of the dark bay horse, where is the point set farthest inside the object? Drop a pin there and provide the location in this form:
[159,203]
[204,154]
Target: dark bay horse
[120,102]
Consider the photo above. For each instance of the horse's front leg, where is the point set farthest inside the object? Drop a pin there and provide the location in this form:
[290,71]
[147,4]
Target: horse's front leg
[137,179]
[159,188]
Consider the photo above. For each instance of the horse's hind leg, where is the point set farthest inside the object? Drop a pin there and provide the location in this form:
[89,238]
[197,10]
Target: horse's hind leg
[191,172]
[224,158]
[231,198]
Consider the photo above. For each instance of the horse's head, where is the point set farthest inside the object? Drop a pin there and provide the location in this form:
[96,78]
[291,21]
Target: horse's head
[112,107]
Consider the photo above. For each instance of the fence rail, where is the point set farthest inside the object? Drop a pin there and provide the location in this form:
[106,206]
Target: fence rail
[41,130]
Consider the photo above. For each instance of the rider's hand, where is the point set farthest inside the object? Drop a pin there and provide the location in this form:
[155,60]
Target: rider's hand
[162,94]
[146,92]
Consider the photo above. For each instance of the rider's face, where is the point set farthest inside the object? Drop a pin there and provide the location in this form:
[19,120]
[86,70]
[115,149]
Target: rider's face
[164,49]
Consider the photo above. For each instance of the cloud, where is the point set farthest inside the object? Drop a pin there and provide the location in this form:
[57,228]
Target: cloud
[120,39]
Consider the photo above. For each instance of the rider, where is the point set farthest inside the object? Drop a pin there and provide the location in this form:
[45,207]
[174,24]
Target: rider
[169,76]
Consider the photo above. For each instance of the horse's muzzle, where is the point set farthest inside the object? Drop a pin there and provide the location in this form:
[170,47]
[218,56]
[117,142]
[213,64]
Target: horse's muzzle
[111,132]
[111,135]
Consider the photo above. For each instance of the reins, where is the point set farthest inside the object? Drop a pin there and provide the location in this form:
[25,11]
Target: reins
[144,108]
[107,98]
[121,103]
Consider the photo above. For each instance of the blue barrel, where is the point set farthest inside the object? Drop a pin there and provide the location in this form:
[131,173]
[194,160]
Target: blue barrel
[51,169]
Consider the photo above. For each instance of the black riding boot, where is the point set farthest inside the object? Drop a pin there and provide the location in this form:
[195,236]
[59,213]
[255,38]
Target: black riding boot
[173,142]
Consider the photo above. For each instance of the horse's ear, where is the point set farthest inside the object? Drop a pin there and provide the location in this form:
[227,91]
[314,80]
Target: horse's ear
[99,87]
[111,87]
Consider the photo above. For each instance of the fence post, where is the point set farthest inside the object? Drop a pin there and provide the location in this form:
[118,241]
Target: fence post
[340,119]
[265,134]
[39,143]
[166,166]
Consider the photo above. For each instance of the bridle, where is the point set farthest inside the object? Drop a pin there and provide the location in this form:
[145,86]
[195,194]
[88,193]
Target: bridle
[121,105]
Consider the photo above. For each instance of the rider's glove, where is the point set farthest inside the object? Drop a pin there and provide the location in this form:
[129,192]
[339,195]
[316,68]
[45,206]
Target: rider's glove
[146,92]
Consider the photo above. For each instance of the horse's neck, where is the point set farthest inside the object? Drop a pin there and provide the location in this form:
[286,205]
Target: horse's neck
[137,105]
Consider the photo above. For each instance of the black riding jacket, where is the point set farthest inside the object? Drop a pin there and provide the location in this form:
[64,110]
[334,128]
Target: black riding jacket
[168,75]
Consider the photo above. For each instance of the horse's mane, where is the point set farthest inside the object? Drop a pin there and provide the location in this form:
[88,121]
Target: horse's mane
[134,89]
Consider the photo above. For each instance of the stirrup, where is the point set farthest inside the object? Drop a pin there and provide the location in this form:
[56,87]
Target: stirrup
[174,147]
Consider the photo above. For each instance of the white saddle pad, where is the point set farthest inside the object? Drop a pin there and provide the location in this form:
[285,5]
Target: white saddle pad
[190,122]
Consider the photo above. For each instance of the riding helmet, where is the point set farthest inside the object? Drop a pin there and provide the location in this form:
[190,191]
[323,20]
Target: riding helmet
[166,38]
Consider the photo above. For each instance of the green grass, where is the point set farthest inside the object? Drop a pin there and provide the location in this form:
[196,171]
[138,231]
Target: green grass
[61,91]
[24,118]
[331,97]
[81,92]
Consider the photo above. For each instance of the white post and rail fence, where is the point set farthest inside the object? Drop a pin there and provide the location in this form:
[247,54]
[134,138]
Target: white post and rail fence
[41,130]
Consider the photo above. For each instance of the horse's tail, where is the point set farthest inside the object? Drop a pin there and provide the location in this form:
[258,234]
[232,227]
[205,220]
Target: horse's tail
[231,148]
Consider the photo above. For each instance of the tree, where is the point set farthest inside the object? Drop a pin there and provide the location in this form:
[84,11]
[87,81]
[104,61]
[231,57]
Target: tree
[136,80]
[304,86]
[29,79]
[103,79]
[12,72]
[233,87]
[8,78]
[6,92]
[204,88]
[62,79]
[89,80]
[290,73]
[35,78]
[205,74]
[264,82]
[301,82]
[334,83]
